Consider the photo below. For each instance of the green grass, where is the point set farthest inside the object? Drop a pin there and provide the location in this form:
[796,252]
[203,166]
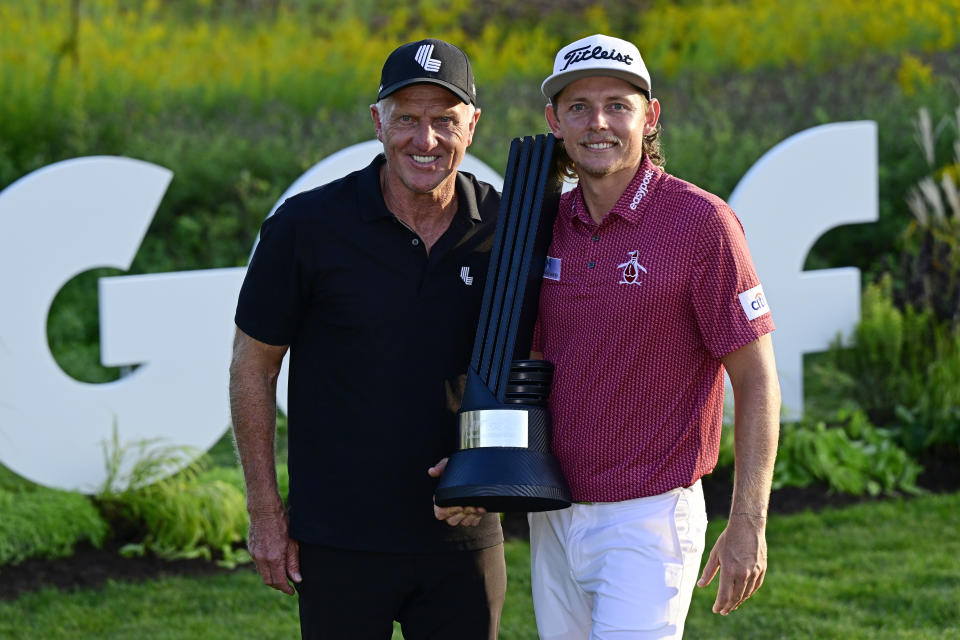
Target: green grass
[877,570]
[235,605]
[886,569]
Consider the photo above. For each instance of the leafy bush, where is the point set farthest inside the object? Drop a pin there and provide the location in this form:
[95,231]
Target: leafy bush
[46,523]
[195,512]
[850,456]
[903,369]
[847,454]
[181,517]
[184,515]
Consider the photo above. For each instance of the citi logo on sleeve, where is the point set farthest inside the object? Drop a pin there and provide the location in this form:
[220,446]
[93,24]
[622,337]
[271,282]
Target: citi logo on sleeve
[423,57]
[631,270]
[754,303]
[465,276]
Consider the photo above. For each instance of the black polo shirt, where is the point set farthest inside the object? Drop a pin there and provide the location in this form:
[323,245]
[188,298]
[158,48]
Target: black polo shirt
[380,335]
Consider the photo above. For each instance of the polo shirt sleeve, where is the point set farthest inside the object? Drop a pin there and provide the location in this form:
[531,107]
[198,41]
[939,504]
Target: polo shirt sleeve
[270,299]
[723,285]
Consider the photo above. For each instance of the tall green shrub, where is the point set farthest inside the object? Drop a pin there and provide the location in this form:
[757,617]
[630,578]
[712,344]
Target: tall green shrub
[182,515]
[904,368]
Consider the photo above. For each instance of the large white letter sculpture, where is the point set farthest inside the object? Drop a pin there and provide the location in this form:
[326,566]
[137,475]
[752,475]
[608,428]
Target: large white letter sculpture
[810,183]
[85,213]
[66,219]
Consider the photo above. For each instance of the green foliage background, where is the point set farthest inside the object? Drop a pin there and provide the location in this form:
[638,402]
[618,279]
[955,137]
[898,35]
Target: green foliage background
[239,97]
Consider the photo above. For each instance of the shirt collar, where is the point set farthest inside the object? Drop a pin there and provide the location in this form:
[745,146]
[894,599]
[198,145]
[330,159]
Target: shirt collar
[633,201]
[373,206]
[467,197]
[370,196]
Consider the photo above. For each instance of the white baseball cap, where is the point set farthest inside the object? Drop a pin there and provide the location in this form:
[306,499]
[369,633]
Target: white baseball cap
[597,55]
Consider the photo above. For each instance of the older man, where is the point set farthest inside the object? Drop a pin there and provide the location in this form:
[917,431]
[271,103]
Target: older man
[363,280]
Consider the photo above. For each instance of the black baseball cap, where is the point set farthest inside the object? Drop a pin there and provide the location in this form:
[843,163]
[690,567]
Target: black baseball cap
[428,61]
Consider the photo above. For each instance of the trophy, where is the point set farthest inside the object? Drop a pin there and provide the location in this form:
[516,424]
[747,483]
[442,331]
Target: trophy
[504,461]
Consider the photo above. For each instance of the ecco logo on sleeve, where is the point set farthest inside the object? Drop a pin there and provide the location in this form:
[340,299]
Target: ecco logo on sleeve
[754,303]
[551,270]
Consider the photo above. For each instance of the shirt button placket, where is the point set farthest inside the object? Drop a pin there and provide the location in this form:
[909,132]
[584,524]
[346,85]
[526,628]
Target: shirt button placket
[592,263]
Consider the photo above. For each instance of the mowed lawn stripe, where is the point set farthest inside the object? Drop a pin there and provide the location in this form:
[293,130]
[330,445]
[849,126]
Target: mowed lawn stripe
[886,569]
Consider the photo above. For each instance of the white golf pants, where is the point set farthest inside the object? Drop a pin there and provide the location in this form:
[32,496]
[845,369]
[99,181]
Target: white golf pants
[621,570]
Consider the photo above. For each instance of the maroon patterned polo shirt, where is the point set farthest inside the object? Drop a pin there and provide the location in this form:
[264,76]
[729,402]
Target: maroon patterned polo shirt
[635,314]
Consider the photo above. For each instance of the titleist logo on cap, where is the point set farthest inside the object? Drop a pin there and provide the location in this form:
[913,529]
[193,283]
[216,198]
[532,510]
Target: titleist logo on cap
[586,53]
[597,55]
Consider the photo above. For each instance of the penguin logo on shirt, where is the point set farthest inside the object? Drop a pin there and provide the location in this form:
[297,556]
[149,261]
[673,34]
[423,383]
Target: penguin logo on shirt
[631,270]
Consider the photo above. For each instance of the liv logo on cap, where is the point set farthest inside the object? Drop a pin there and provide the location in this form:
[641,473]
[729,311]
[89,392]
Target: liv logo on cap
[423,57]
[428,61]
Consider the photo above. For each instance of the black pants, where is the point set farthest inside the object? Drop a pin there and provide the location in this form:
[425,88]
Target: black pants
[358,594]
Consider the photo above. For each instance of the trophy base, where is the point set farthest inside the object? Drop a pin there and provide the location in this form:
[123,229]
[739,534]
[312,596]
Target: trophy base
[503,479]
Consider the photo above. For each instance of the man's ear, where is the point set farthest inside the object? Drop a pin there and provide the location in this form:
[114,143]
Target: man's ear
[552,121]
[472,126]
[652,116]
[375,115]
